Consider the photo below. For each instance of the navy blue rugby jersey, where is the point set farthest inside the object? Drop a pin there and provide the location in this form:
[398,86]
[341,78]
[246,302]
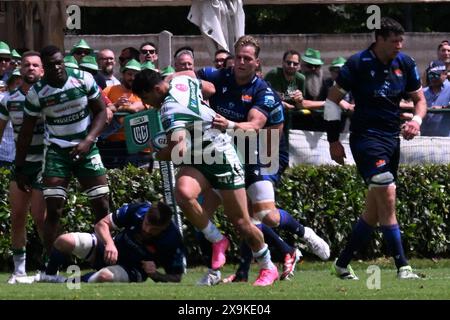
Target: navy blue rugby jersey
[377,89]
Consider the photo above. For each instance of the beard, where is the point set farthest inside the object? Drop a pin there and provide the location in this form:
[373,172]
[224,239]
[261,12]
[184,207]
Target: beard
[108,70]
[313,83]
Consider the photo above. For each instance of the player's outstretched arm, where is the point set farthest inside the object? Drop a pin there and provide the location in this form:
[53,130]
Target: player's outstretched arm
[150,268]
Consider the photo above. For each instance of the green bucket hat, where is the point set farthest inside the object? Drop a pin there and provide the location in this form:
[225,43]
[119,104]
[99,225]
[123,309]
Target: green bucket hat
[148,65]
[16,72]
[89,62]
[132,65]
[15,54]
[167,71]
[4,48]
[71,62]
[312,56]
[82,44]
[338,62]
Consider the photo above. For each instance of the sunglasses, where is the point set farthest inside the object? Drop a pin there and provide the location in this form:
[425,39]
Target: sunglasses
[151,51]
[295,64]
[311,66]
[5,59]
[80,52]
[433,75]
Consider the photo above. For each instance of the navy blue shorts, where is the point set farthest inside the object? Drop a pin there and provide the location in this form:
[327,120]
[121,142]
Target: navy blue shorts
[254,173]
[375,154]
[134,270]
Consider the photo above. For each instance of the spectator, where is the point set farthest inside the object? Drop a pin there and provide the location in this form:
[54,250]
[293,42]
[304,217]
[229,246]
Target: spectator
[81,49]
[288,81]
[437,95]
[71,62]
[113,144]
[167,71]
[14,81]
[15,60]
[184,59]
[89,64]
[148,65]
[148,52]
[220,57]
[444,55]
[5,60]
[126,55]
[229,62]
[106,62]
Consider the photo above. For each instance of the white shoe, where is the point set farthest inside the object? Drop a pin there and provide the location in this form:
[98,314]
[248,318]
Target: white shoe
[211,278]
[406,273]
[316,244]
[42,277]
[16,278]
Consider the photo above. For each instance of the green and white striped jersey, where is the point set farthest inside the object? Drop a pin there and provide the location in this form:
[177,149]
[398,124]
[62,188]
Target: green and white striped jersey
[66,112]
[184,108]
[12,108]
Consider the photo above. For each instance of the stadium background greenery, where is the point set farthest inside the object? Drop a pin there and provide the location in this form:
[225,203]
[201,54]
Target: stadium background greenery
[327,198]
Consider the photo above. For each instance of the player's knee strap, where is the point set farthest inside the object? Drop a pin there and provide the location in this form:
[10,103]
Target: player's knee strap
[84,244]
[97,192]
[261,191]
[262,214]
[55,192]
[381,180]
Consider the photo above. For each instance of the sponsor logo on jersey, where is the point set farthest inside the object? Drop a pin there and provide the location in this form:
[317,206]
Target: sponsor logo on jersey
[398,73]
[181,87]
[246,98]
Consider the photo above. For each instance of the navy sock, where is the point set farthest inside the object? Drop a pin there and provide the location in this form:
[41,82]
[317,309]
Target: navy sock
[394,242]
[205,247]
[274,240]
[245,261]
[287,222]
[56,260]
[361,234]
[85,277]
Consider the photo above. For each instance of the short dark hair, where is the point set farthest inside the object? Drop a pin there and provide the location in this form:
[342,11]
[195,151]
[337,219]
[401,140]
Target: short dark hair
[133,52]
[443,43]
[31,54]
[159,214]
[221,51]
[148,43]
[49,51]
[388,26]
[145,81]
[291,53]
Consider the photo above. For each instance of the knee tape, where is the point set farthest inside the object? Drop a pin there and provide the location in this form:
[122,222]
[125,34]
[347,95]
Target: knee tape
[261,191]
[84,244]
[381,180]
[97,192]
[55,192]
[261,214]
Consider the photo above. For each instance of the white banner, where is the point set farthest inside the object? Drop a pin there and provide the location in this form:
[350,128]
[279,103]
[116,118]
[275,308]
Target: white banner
[311,147]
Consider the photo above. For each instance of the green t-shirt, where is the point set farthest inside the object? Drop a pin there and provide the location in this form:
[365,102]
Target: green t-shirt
[278,82]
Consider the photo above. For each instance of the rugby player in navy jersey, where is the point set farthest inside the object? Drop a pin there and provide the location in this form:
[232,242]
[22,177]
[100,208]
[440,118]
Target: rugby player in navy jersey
[378,77]
[245,101]
[147,239]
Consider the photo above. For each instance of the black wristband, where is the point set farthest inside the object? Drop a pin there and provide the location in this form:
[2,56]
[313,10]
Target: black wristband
[333,130]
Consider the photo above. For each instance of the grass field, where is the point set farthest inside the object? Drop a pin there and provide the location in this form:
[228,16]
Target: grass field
[312,281]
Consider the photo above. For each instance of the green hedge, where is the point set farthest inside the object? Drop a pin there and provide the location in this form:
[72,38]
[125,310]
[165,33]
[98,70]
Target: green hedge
[327,198]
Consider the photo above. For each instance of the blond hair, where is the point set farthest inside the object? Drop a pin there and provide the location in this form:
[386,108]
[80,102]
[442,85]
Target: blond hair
[247,41]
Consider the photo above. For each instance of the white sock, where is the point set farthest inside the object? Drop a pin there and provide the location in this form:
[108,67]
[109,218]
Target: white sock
[19,263]
[263,258]
[212,234]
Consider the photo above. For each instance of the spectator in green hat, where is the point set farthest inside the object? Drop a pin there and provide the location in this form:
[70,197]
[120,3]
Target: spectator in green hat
[71,62]
[15,60]
[167,71]
[89,64]
[15,80]
[148,65]
[5,60]
[81,49]
[335,66]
